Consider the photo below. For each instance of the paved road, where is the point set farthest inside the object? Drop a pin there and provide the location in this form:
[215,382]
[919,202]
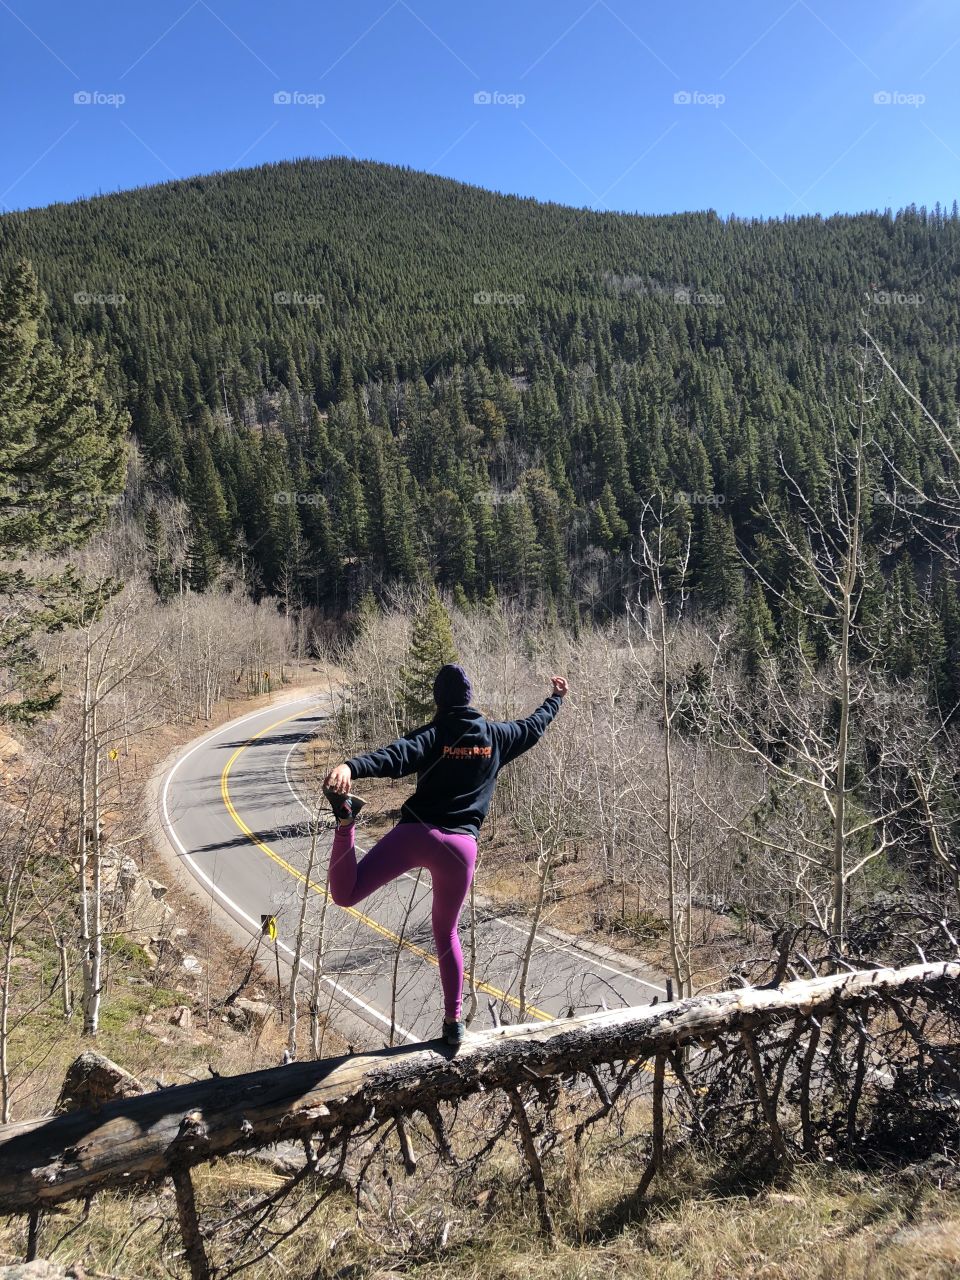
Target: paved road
[233,811]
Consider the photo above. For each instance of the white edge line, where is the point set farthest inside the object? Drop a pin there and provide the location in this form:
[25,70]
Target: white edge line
[553,945]
[236,910]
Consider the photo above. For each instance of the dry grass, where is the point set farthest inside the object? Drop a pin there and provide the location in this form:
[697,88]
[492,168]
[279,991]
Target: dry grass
[824,1224]
[137,1033]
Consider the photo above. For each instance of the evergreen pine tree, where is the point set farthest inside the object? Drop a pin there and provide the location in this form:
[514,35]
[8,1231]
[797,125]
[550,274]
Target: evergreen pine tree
[431,646]
[160,568]
[756,631]
[367,613]
[62,459]
[202,560]
[208,505]
[719,575]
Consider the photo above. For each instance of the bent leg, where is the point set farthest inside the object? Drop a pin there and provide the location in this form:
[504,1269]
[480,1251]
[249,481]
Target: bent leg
[451,873]
[390,857]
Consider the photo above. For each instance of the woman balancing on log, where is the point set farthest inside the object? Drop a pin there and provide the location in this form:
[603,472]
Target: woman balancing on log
[456,757]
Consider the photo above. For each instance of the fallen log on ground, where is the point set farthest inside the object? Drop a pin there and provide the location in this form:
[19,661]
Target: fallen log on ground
[166,1132]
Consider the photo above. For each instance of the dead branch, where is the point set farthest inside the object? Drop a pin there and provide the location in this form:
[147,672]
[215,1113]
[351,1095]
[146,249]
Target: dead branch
[533,1160]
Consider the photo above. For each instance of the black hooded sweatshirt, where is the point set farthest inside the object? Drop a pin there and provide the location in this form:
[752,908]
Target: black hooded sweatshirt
[456,757]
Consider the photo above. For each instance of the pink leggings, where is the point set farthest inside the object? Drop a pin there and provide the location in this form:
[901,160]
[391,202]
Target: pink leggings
[449,858]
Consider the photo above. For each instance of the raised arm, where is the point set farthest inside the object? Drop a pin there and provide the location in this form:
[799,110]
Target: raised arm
[516,736]
[395,760]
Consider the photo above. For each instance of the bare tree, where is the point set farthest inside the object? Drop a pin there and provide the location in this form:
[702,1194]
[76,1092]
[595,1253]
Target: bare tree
[35,909]
[305,891]
[20,834]
[819,815]
[665,561]
[114,650]
[548,820]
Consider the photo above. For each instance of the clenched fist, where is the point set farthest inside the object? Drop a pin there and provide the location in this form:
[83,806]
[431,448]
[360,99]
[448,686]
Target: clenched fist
[560,686]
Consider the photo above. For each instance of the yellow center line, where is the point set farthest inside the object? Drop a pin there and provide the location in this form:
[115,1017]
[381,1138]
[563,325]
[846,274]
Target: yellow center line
[369,921]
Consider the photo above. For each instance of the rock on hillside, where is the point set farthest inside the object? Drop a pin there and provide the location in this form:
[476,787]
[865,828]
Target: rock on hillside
[92,1080]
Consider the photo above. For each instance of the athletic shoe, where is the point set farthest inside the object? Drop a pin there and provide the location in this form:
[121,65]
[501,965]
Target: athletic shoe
[453,1032]
[345,808]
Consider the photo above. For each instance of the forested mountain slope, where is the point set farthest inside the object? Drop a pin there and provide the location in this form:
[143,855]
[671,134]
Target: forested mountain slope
[349,373]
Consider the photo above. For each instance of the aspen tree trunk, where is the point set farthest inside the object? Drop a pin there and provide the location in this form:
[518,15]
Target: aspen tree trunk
[679,895]
[298,943]
[91,1001]
[316,1037]
[544,863]
[65,975]
[681,972]
[838,905]
[83,832]
[11,904]
[178,684]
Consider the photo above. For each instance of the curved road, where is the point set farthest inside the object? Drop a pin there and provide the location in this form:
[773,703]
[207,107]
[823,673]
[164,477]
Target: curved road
[233,813]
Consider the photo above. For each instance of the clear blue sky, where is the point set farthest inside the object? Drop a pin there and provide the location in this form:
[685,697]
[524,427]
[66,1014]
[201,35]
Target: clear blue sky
[783,116]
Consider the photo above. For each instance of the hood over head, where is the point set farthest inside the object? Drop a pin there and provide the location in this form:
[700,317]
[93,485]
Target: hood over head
[452,687]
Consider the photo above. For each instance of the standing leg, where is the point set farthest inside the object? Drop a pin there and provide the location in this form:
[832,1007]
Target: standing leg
[452,872]
[390,857]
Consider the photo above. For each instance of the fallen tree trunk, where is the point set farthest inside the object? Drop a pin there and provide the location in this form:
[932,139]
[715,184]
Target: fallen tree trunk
[164,1133]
